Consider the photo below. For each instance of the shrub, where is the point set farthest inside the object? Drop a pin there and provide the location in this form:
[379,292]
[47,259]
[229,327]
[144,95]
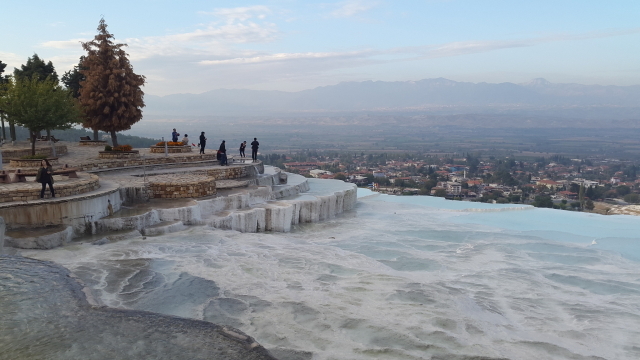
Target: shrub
[632,198]
[123,148]
[589,205]
[34,157]
[108,148]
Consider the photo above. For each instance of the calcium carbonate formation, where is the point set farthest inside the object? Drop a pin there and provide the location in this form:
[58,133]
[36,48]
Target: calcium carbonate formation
[261,203]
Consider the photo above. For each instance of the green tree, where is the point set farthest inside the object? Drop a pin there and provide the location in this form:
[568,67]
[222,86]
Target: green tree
[589,205]
[110,95]
[632,198]
[39,105]
[36,67]
[73,78]
[440,193]
[543,201]
[623,190]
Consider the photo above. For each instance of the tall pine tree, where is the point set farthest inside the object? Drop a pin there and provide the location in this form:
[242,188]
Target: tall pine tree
[36,67]
[110,93]
[72,78]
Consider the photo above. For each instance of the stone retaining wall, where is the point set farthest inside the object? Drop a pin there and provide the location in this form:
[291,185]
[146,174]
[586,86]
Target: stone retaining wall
[170,149]
[16,154]
[234,171]
[86,183]
[30,163]
[172,186]
[93,143]
[119,154]
[116,163]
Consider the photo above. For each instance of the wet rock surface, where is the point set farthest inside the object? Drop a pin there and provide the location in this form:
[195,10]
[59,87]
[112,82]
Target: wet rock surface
[46,315]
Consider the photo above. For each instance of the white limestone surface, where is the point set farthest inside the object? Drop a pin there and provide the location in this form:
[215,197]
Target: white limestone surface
[77,211]
[42,239]
[2,229]
[324,200]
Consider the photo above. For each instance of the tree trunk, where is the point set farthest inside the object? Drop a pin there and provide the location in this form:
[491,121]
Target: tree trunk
[12,130]
[95,134]
[114,138]
[33,142]
[4,133]
[49,135]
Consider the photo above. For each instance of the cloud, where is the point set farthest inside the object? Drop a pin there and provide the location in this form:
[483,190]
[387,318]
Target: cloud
[219,54]
[241,13]
[12,60]
[472,47]
[64,44]
[214,39]
[287,57]
[353,7]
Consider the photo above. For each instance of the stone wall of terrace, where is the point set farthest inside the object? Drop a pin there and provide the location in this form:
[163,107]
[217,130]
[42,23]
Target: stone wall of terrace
[119,154]
[93,143]
[170,149]
[31,163]
[234,171]
[44,150]
[98,164]
[63,187]
[173,186]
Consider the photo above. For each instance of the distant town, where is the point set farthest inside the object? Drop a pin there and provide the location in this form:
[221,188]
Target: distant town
[554,182]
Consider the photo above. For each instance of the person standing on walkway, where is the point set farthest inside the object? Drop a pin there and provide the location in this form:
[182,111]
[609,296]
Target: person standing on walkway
[203,142]
[254,149]
[223,154]
[243,145]
[174,136]
[45,176]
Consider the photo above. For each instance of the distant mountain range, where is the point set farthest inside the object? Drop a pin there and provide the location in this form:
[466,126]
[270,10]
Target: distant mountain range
[393,96]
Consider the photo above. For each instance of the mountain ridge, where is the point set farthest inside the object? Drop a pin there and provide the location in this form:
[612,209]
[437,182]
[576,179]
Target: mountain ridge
[380,95]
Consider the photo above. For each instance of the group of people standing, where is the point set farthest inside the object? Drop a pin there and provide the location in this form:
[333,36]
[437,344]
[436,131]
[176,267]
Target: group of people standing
[254,149]
[222,150]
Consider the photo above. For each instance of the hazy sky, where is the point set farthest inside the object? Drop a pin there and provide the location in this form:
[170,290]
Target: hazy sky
[195,46]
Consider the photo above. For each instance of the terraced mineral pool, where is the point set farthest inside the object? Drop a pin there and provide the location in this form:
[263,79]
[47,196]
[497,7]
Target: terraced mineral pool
[397,278]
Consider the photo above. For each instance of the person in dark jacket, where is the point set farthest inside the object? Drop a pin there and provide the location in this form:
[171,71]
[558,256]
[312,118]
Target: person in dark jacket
[254,149]
[223,153]
[45,176]
[243,145]
[174,136]
[203,142]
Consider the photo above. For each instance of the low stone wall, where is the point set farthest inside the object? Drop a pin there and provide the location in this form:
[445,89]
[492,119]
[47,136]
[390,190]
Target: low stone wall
[93,143]
[224,173]
[172,186]
[171,149]
[30,163]
[149,161]
[119,154]
[16,154]
[234,171]
[26,192]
